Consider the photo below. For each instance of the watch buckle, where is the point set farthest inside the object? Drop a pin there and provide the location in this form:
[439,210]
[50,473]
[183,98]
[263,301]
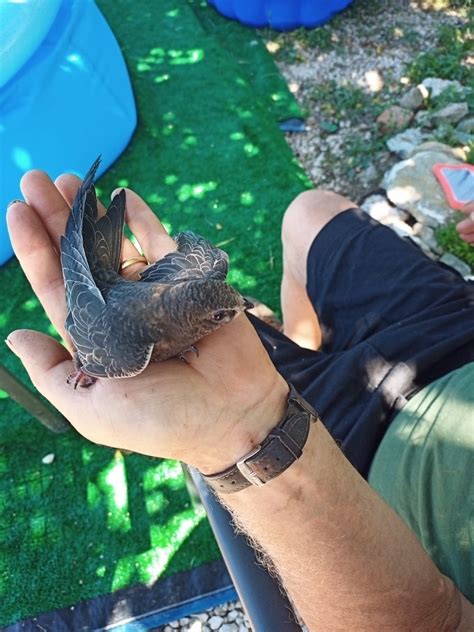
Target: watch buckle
[246,471]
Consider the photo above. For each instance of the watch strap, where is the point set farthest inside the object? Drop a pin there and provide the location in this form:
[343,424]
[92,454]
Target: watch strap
[280,449]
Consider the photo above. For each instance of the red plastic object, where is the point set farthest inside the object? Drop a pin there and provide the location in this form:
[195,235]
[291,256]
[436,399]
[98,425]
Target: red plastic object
[459,191]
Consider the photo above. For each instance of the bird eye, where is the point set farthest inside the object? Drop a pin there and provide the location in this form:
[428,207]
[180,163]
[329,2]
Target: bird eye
[222,314]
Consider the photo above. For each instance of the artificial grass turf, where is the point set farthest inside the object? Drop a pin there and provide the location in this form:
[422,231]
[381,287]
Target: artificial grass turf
[207,155]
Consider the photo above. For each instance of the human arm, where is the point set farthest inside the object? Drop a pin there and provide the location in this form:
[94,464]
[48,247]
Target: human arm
[346,559]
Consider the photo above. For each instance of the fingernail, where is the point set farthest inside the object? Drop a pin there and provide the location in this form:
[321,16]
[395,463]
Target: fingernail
[9,344]
[15,202]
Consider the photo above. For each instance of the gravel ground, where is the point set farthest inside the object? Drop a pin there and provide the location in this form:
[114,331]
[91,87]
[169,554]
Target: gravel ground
[343,75]
[228,617]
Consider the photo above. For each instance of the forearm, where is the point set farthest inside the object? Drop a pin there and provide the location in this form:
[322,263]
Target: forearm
[347,560]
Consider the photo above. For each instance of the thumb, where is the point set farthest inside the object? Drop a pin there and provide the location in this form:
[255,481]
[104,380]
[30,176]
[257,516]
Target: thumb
[47,362]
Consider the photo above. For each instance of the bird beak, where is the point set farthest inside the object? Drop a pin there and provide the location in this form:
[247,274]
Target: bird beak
[248,304]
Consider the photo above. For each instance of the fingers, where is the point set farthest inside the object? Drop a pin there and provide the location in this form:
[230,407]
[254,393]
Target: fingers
[39,260]
[466,229]
[41,194]
[147,228]
[48,364]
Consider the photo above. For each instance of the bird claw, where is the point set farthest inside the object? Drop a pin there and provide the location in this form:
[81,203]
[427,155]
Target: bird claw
[193,349]
[79,378]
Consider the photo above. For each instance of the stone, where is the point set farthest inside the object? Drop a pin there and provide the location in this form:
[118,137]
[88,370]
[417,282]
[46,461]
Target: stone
[232,615]
[174,624]
[229,627]
[394,118]
[369,176]
[405,142]
[437,86]
[48,459]
[412,100]
[463,138]
[215,622]
[202,617]
[379,208]
[423,119]
[221,611]
[434,145]
[184,621]
[243,628]
[451,113]
[466,125]
[374,80]
[427,237]
[412,186]
[461,266]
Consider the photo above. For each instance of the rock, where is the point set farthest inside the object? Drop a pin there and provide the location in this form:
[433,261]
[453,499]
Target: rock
[405,142]
[229,627]
[461,266]
[423,119]
[412,100]
[243,628]
[434,145]
[374,80]
[184,621]
[232,615]
[379,208]
[451,113]
[202,617]
[369,176]
[463,139]
[466,125]
[174,624]
[437,86]
[394,118]
[48,459]
[215,622]
[412,186]
[221,611]
[427,236]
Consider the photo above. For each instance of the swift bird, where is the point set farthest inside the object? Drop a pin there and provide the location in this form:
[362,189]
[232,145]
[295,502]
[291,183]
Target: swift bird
[117,325]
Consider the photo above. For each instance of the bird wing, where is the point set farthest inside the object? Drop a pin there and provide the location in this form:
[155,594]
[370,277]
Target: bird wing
[84,300]
[87,319]
[127,360]
[195,258]
[103,237]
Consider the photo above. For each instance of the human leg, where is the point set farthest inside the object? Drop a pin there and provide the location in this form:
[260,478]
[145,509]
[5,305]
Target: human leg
[303,220]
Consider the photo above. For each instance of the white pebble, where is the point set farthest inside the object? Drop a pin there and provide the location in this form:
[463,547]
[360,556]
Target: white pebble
[215,622]
[49,458]
[229,627]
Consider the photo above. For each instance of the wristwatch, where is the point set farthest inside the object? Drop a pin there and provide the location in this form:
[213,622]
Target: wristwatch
[281,448]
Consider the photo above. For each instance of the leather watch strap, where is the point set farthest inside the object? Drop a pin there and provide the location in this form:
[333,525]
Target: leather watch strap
[282,447]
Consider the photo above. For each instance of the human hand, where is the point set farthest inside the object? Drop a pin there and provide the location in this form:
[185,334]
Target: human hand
[207,413]
[465,228]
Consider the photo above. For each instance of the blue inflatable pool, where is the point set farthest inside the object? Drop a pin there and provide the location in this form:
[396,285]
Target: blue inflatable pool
[282,15]
[65,94]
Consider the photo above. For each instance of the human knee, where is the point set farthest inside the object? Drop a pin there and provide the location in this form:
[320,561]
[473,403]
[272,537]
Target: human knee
[306,216]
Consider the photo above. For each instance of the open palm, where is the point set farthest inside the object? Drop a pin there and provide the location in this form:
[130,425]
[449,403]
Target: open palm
[208,412]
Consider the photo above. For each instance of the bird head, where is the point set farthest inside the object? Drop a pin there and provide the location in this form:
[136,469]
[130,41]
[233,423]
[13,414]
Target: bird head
[211,304]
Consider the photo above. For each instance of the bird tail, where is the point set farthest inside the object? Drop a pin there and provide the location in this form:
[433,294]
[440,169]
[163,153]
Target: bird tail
[100,237]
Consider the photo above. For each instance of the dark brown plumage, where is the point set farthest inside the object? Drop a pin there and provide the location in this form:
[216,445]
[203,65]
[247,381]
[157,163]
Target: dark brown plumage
[118,325]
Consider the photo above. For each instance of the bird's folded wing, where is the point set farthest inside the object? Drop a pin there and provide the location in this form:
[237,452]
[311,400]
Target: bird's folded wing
[124,361]
[195,258]
[103,237]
